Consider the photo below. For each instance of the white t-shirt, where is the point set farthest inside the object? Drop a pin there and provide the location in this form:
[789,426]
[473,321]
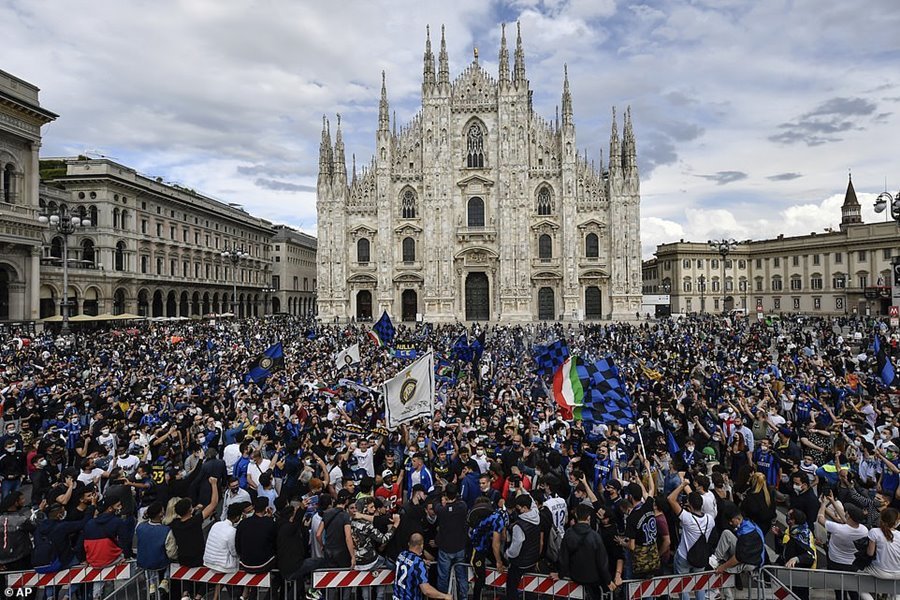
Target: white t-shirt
[559,511]
[887,554]
[336,476]
[254,471]
[692,527]
[840,547]
[89,478]
[366,460]
[128,464]
[710,508]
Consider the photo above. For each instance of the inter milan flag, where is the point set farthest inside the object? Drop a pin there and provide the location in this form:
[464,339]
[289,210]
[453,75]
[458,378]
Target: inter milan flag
[383,331]
[462,350]
[671,445]
[265,364]
[548,358]
[884,367]
[610,400]
[593,393]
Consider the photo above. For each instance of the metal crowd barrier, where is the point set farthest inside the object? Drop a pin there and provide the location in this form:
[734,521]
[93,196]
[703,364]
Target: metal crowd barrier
[330,579]
[679,584]
[782,583]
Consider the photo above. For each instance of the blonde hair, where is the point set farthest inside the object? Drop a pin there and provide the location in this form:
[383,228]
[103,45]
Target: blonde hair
[758,484]
[170,515]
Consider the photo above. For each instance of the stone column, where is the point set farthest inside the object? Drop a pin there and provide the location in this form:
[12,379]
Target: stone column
[33,289]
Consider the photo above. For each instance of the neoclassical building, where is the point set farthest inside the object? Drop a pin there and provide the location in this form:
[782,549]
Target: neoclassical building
[21,119]
[293,272]
[844,270]
[479,209]
[152,248]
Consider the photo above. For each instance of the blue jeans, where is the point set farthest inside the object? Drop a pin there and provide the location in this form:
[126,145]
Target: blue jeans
[9,485]
[448,561]
[683,567]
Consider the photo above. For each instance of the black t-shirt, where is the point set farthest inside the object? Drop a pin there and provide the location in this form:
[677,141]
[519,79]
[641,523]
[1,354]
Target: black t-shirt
[189,537]
[640,525]
[546,524]
[335,546]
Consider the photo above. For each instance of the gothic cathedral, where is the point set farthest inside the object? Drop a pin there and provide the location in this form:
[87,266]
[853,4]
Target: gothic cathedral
[479,210]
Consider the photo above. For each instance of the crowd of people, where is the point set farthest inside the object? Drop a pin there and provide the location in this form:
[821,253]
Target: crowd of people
[754,442]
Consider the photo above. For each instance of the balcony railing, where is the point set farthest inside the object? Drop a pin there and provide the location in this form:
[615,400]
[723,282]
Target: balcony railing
[74,263]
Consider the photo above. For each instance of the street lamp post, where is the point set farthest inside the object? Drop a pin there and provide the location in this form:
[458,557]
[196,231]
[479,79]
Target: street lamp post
[884,200]
[65,224]
[724,248]
[702,287]
[234,256]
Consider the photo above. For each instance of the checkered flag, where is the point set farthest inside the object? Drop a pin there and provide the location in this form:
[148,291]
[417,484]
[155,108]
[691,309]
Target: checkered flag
[548,358]
[608,401]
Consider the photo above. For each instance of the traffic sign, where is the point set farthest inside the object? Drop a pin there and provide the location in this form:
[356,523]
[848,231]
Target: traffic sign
[894,311]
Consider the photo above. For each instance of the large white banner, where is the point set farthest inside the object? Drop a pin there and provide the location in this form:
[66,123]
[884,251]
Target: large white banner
[346,357]
[410,394]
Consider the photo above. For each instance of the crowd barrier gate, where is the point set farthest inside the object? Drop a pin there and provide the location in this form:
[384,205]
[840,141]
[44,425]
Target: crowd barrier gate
[678,584]
[779,582]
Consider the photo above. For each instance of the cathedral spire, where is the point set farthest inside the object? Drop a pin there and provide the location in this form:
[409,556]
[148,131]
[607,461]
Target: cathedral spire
[353,181]
[383,117]
[325,155]
[443,61]
[519,69]
[504,56]
[629,152]
[339,169]
[566,98]
[428,79]
[615,155]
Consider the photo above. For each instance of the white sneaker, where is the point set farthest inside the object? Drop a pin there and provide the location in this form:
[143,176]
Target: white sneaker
[713,561]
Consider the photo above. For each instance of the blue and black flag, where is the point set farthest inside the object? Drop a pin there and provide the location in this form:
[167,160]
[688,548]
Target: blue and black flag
[609,400]
[548,358]
[265,364]
[884,368]
[383,331]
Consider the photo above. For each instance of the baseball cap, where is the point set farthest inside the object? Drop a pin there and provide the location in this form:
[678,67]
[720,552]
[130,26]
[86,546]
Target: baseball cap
[387,473]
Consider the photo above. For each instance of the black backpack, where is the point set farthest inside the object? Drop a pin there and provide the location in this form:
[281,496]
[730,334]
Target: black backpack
[699,553]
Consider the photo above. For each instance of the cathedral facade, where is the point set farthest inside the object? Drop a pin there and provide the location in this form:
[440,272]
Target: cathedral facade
[479,209]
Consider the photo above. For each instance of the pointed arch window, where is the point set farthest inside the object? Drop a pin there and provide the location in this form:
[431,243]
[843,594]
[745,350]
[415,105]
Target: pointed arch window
[544,202]
[475,147]
[408,205]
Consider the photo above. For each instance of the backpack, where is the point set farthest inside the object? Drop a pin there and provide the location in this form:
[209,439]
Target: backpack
[698,554]
[171,546]
[553,545]
[15,543]
[44,553]
[750,549]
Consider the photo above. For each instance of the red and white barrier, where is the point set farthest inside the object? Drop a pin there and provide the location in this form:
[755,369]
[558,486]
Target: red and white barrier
[347,578]
[541,584]
[205,575]
[678,584]
[80,574]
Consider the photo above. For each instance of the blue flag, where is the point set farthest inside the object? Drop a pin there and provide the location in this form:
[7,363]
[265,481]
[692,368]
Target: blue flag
[671,445]
[548,358]
[608,400]
[478,347]
[884,367]
[461,349]
[265,364]
[383,331]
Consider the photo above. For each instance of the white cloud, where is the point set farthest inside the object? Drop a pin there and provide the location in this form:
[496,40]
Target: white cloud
[196,90]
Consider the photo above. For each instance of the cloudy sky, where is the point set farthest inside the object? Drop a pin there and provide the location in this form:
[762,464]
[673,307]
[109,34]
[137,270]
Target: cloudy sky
[748,114]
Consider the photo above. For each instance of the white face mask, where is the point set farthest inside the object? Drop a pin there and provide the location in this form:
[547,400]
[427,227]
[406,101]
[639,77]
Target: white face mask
[798,489]
[480,452]
[104,431]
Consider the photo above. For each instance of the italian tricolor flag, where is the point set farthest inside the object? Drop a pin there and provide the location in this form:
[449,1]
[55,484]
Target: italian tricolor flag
[568,390]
